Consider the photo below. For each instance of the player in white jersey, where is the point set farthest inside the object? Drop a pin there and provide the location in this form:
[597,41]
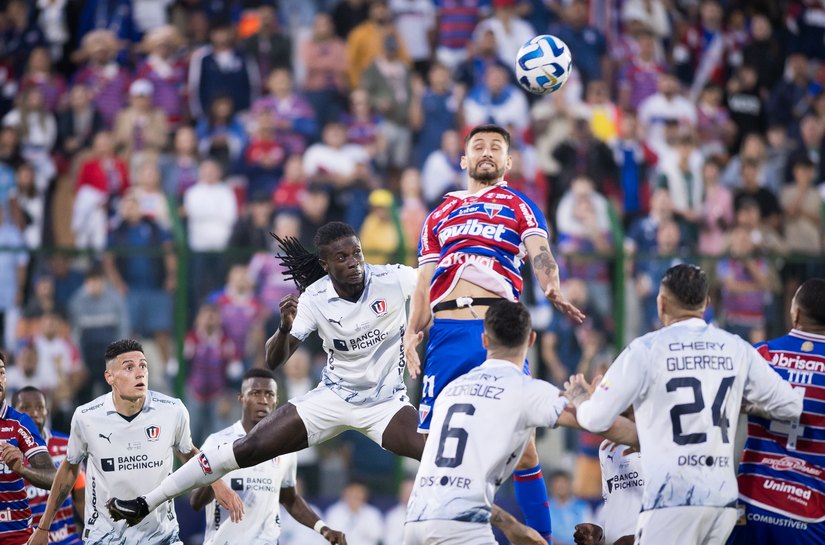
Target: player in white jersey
[261,487]
[463,464]
[359,310]
[128,439]
[686,382]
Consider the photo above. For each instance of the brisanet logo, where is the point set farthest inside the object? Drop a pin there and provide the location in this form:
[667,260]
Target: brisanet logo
[798,362]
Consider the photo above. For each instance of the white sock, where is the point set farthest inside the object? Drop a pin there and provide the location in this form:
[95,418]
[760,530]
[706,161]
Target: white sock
[202,470]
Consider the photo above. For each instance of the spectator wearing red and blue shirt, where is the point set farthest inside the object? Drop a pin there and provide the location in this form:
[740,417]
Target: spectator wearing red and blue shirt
[19,442]
[457,19]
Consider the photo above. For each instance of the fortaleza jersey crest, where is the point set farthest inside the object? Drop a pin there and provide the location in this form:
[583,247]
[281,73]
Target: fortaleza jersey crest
[479,238]
[783,465]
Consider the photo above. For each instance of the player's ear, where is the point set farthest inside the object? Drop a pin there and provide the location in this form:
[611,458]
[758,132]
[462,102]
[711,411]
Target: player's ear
[531,340]
[463,162]
[485,341]
[107,374]
[508,164]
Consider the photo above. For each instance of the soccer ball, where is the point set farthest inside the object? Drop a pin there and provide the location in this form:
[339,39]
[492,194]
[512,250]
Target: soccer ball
[543,64]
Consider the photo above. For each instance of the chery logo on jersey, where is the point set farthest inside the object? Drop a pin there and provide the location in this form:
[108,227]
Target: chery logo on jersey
[379,307]
[472,228]
[153,433]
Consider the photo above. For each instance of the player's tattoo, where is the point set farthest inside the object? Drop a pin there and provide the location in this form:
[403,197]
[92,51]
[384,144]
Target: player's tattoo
[544,261]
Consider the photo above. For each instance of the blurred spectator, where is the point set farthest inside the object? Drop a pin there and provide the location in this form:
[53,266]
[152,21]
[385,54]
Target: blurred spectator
[365,127]
[270,47]
[10,146]
[110,15]
[415,20]
[601,111]
[641,237]
[482,54]
[294,120]
[266,272]
[433,111]
[811,146]
[583,224]
[746,104]
[26,369]
[53,24]
[241,313]
[583,155]
[652,14]
[30,206]
[566,511]
[752,149]
[396,517]
[777,151]
[768,204]
[700,56]
[13,266]
[651,269]
[252,229]
[744,280]
[107,81]
[38,133]
[152,201]
[412,212]
[587,41]
[165,69]
[315,211]
[221,136]
[361,522]
[20,35]
[368,40]
[387,82]
[179,169]
[525,176]
[766,239]
[455,22]
[381,237]
[141,130]
[680,174]
[324,56]
[264,157]
[42,298]
[792,97]
[717,210]
[764,53]
[442,169]
[666,105]
[496,100]
[66,279]
[211,357]
[78,123]
[638,79]
[39,74]
[98,314]
[220,69]
[287,195]
[211,210]
[150,14]
[713,123]
[101,180]
[634,160]
[142,265]
[348,14]
[59,361]
[509,30]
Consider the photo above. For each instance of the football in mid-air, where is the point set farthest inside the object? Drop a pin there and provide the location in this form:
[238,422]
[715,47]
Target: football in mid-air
[543,64]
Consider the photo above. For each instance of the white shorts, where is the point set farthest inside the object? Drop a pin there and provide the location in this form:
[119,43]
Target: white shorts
[448,532]
[688,525]
[326,415]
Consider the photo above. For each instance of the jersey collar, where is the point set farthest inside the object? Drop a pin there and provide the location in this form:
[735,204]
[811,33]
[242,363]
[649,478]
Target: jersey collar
[808,336]
[493,362]
[237,428]
[109,403]
[462,194]
[332,294]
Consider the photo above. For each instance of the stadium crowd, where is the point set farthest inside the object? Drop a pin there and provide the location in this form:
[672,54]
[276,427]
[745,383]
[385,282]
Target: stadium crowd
[148,148]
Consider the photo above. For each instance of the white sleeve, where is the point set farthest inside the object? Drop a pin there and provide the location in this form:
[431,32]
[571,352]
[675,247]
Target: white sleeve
[209,442]
[78,448]
[183,437]
[408,278]
[621,386]
[542,403]
[290,470]
[765,388]
[304,322]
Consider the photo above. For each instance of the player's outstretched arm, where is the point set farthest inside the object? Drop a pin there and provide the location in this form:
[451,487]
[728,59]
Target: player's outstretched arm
[420,316]
[281,345]
[622,432]
[40,471]
[61,487]
[298,508]
[516,532]
[547,273]
[768,391]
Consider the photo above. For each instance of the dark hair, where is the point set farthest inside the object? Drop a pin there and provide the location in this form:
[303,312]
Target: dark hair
[803,161]
[95,271]
[688,284]
[258,372]
[508,323]
[302,266]
[489,127]
[3,357]
[332,231]
[811,299]
[15,398]
[121,346]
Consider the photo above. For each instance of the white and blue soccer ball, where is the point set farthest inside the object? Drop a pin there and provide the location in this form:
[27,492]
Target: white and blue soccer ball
[543,64]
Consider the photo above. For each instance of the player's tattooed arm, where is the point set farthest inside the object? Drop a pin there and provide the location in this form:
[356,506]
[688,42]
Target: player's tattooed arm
[547,272]
[61,487]
[40,471]
[516,532]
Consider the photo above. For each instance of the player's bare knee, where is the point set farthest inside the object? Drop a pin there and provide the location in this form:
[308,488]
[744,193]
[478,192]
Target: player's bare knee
[530,458]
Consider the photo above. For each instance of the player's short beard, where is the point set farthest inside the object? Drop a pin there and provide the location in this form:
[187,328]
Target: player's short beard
[486,178]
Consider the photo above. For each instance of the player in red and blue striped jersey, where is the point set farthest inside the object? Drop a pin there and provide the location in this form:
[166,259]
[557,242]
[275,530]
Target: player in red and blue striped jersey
[62,531]
[782,474]
[470,255]
[19,441]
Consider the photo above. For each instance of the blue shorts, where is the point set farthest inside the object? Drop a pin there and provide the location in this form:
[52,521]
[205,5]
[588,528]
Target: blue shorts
[758,526]
[453,349]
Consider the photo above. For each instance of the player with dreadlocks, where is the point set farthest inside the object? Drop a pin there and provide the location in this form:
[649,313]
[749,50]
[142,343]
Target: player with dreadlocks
[359,311]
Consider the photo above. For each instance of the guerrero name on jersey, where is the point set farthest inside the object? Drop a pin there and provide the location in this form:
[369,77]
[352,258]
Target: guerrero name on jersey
[19,430]
[259,488]
[479,238]
[686,383]
[462,466]
[783,465]
[62,530]
[363,339]
[128,458]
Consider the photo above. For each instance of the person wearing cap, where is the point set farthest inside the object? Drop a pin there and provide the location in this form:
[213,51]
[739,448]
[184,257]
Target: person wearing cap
[141,130]
[108,81]
[166,71]
[380,234]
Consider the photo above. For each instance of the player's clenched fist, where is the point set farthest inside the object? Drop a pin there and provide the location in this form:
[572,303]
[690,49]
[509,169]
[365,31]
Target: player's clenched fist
[39,537]
[334,536]
[588,534]
[289,308]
